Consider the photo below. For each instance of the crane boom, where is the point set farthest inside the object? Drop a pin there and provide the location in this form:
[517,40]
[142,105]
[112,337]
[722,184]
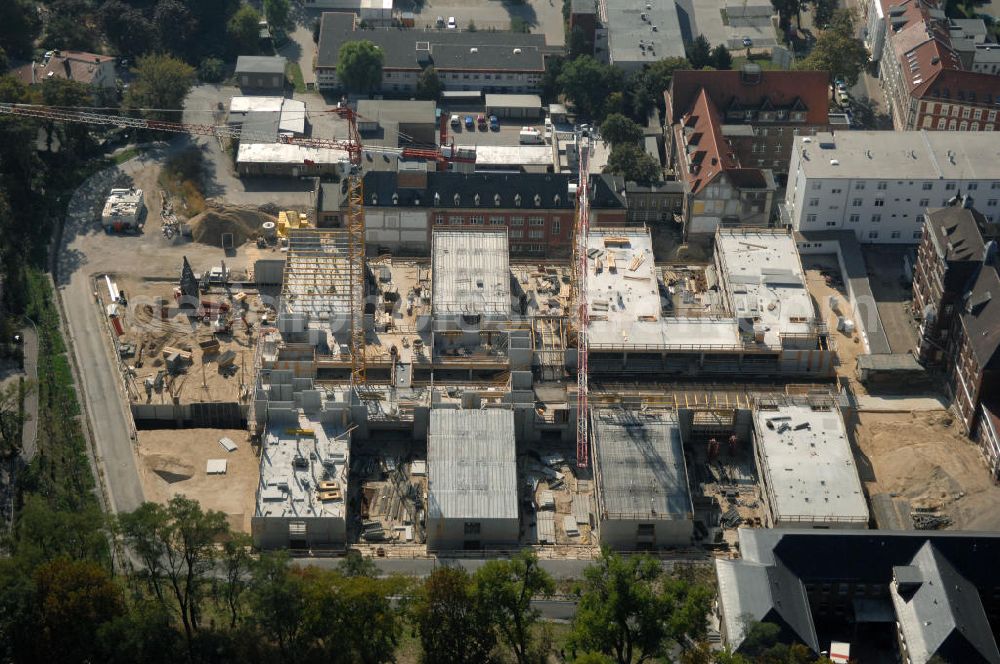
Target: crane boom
[582,308]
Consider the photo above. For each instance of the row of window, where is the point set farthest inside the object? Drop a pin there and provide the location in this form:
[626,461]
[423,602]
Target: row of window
[954,110]
[478,220]
[880,202]
[883,185]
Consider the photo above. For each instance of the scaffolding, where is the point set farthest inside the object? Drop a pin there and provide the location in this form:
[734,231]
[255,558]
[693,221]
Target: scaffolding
[319,279]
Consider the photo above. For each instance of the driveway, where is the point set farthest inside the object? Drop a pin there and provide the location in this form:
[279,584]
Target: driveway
[300,47]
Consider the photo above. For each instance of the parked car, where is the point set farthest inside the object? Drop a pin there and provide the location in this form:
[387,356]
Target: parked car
[452,24]
[469,122]
[440,21]
[456,121]
[481,122]
[747,42]
[494,123]
[843,98]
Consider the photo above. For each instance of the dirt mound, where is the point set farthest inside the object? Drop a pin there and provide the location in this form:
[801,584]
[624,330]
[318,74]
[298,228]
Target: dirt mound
[169,468]
[209,226]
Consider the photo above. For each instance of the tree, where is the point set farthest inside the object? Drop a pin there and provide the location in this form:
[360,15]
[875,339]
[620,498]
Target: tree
[73,598]
[588,83]
[823,11]
[278,604]
[19,27]
[175,26]
[182,539]
[359,66]
[649,85]
[45,534]
[631,162]
[277,12]
[507,587]
[472,26]
[837,50]
[144,634]
[454,625]
[578,44]
[518,24]
[721,59]
[786,10]
[355,564]
[428,84]
[69,26]
[160,81]
[74,138]
[244,31]
[212,70]
[128,30]
[631,612]
[617,129]
[237,563]
[699,52]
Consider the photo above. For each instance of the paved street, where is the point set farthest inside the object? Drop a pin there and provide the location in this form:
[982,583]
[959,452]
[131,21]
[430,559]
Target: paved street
[30,431]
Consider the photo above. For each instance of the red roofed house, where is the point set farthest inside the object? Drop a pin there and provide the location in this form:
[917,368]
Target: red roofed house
[729,132]
[762,111]
[89,68]
[926,83]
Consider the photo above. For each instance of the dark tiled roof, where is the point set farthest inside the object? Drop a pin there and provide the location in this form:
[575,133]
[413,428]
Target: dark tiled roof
[981,318]
[780,89]
[552,190]
[448,49]
[955,231]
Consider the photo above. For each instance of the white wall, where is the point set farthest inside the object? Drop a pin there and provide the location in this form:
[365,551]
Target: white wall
[848,203]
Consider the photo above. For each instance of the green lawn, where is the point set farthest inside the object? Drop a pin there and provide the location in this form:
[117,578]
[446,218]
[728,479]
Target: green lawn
[764,62]
[125,155]
[294,73]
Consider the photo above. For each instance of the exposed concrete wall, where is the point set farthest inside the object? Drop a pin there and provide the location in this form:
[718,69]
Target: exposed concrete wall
[449,534]
[623,533]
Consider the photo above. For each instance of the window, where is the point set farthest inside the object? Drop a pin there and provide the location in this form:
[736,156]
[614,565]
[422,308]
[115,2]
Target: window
[872,235]
[813,202]
[860,186]
[516,235]
[927,186]
[856,202]
[876,218]
[855,218]
[924,202]
[810,218]
[536,221]
[895,235]
[950,186]
[556,225]
[645,530]
[879,202]
[438,220]
[477,220]
[816,186]
[917,235]
[472,528]
[991,203]
[536,234]
[836,191]
[517,221]
[972,186]
[496,221]
[919,219]
[831,223]
[995,185]
[456,221]
[882,186]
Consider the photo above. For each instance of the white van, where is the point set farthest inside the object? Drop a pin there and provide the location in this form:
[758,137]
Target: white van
[530,136]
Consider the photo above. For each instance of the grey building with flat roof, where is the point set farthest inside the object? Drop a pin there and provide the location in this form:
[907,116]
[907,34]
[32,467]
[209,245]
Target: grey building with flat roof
[641,33]
[643,500]
[471,479]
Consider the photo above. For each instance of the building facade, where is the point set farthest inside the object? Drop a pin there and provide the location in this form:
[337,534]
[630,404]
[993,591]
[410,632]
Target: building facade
[259,72]
[760,112]
[936,73]
[879,184]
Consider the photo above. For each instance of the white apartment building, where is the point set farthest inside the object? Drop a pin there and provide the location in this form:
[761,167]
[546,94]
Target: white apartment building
[879,184]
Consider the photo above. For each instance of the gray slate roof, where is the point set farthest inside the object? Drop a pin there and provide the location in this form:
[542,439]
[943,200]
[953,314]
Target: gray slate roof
[260,64]
[449,49]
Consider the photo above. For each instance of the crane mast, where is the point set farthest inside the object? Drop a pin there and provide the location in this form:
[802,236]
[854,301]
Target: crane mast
[582,316]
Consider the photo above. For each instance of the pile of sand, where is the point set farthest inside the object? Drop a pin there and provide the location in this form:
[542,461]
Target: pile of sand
[209,226]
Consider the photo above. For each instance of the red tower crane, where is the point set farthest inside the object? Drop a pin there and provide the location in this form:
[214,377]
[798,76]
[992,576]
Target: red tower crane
[582,230]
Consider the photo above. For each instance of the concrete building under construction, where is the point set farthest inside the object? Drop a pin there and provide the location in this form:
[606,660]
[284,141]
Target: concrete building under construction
[764,324]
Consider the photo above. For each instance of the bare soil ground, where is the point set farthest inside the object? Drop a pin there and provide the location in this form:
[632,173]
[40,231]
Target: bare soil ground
[925,458]
[172,463]
[823,280]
